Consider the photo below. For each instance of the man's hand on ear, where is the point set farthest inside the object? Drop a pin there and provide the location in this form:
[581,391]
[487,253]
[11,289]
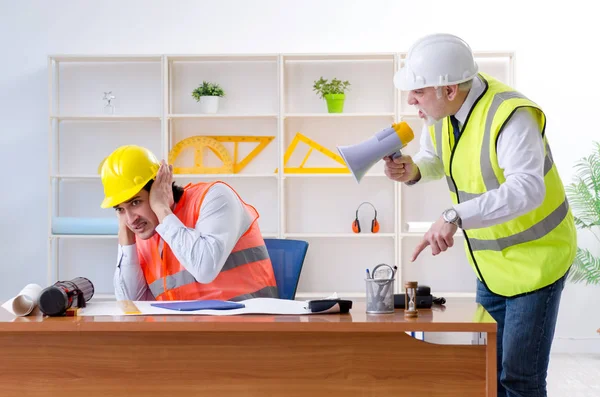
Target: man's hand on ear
[161,192]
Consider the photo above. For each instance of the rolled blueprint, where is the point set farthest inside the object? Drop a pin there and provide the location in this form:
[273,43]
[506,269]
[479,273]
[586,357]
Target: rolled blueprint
[25,302]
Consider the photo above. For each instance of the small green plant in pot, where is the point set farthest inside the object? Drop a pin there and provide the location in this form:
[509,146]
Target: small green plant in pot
[334,93]
[584,198]
[208,95]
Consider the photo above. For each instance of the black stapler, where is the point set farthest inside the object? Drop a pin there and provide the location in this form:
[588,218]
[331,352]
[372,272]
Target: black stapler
[329,306]
[424,299]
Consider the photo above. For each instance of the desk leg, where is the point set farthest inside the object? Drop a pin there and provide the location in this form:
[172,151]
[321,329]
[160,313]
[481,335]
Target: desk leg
[492,371]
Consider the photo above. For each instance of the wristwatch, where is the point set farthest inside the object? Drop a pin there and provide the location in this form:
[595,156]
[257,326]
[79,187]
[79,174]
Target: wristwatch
[451,216]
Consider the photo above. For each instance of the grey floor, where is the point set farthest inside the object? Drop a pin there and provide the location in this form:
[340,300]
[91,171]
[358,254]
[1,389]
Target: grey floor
[574,375]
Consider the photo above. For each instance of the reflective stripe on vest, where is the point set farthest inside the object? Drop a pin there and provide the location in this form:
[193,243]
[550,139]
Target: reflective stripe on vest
[234,260]
[244,256]
[535,232]
[489,178]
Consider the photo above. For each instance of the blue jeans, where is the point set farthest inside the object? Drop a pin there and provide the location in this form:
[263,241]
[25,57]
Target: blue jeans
[525,331]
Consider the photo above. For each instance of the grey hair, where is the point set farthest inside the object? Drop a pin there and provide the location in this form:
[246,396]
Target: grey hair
[464,86]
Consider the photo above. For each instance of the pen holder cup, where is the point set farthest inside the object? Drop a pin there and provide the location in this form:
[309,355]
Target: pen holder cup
[380,295]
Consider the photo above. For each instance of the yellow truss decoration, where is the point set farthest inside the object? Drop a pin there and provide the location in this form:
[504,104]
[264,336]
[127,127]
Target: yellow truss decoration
[214,143]
[312,170]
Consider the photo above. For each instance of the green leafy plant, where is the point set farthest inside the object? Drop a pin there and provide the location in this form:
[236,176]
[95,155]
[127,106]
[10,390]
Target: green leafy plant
[584,198]
[323,86]
[208,89]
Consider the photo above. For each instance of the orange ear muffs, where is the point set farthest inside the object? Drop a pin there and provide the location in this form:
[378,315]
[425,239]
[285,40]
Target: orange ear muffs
[374,226]
[374,222]
[356,226]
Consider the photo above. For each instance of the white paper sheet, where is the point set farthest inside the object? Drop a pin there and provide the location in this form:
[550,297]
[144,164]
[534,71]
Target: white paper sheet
[253,306]
[26,301]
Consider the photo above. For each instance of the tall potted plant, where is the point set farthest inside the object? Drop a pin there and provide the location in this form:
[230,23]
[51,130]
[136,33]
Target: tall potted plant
[208,95]
[334,93]
[584,198]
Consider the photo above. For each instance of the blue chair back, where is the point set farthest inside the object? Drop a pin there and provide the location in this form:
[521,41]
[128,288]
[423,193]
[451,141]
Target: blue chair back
[287,257]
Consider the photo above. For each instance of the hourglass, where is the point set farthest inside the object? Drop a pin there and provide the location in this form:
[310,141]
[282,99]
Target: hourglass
[410,299]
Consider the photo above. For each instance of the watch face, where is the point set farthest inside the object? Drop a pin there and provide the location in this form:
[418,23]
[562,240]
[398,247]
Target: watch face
[451,215]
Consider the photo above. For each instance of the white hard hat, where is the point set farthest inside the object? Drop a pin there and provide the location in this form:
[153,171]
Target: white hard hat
[436,60]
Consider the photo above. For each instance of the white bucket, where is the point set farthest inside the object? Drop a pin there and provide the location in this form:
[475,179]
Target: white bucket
[209,104]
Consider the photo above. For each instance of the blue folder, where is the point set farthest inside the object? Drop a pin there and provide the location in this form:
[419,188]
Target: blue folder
[200,305]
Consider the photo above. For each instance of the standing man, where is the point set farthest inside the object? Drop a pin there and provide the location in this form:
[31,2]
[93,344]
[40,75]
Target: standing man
[197,242]
[489,143]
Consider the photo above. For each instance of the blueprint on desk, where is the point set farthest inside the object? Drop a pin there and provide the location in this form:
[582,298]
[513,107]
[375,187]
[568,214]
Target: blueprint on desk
[252,306]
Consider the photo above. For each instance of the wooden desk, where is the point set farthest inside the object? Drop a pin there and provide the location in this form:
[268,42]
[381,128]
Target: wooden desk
[331,355]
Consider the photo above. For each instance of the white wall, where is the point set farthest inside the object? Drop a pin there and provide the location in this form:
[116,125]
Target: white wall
[556,66]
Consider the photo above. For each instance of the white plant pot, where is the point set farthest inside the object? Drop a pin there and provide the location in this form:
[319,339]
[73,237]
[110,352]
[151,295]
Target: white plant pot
[209,104]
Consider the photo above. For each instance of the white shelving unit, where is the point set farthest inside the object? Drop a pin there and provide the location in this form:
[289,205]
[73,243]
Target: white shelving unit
[266,95]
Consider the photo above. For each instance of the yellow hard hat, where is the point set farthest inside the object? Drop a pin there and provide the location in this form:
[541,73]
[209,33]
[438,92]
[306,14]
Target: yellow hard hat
[125,172]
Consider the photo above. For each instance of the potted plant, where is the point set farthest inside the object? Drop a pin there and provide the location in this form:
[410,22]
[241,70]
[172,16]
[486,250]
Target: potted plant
[584,198]
[333,92]
[208,95]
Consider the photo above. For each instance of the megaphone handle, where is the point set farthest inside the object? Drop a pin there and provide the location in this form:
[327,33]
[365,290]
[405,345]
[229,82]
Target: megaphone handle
[396,155]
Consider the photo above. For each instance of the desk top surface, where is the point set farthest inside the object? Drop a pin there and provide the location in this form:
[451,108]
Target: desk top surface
[457,315]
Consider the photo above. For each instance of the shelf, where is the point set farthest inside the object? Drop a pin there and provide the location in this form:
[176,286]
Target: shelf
[339,235]
[333,58]
[105,118]
[74,177]
[86,236]
[106,58]
[224,58]
[222,116]
[337,115]
[477,54]
[250,83]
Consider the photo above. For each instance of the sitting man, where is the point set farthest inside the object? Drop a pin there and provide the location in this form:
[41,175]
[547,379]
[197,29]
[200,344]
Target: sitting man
[197,242]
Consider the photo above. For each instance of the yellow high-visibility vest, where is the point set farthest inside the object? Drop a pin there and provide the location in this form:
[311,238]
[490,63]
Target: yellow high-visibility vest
[532,250]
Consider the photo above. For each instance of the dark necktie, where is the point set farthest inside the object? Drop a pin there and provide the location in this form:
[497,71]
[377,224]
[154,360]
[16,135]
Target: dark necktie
[455,128]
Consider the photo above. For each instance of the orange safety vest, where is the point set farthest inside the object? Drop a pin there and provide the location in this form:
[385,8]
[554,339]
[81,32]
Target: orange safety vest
[247,272]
